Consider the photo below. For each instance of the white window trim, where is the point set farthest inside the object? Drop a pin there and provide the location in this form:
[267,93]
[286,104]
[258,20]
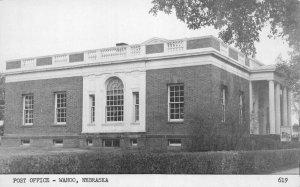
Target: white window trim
[26,124]
[174,144]
[169,119]
[241,106]
[134,104]
[106,105]
[90,109]
[26,144]
[58,144]
[223,105]
[133,144]
[88,143]
[55,109]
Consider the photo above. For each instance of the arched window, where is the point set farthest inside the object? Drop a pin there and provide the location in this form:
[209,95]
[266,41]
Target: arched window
[114,100]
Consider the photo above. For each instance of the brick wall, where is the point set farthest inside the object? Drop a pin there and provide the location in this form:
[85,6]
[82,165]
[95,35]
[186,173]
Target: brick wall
[197,89]
[202,98]
[235,85]
[43,92]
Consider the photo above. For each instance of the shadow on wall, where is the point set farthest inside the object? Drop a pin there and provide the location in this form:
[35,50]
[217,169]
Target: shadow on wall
[207,135]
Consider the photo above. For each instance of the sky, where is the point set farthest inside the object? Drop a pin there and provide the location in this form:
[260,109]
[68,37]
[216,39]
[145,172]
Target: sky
[30,28]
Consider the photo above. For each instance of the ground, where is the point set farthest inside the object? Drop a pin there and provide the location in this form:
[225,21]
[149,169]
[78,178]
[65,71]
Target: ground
[293,171]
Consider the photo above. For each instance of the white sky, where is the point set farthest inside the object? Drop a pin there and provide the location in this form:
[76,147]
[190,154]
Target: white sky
[30,28]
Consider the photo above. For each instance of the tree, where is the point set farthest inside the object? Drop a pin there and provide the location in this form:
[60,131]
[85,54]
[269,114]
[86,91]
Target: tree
[239,21]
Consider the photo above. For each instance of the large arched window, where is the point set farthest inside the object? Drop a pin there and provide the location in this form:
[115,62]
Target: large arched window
[114,100]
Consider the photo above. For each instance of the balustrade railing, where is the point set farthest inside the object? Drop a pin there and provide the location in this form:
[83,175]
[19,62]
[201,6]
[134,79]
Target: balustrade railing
[135,50]
[176,45]
[91,55]
[130,51]
[27,63]
[61,59]
[113,52]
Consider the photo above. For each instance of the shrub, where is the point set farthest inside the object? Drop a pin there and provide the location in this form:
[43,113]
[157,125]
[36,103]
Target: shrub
[96,162]
[1,130]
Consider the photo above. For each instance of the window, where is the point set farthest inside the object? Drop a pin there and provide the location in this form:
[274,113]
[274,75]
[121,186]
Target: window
[176,102]
[174,142]
[136,104]
[133,142]
[241,107]
[25,142]
[89,142]
[58,142]
[111,143]
[28,109]
[60,108]
[114,100]
[92,108]
[223,104]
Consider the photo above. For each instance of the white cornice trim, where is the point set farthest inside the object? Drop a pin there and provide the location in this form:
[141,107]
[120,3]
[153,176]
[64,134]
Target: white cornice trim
[147,58]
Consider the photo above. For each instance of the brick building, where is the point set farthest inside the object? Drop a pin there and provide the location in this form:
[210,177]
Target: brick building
[156,94]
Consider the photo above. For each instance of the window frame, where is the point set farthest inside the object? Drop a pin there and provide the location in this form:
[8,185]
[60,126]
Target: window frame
[92,108]
[55,108]
[89,142]
[113,141]
[223,103]
[56,144]
[169,103]
[134,142]
[25,142]
[241,107]
[136,106]
[32,109]
[174,144]
[113,95]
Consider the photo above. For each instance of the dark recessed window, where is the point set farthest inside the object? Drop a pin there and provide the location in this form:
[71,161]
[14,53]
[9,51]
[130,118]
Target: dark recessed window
[133,142]
[174,142]
[25,142]
[58,142]
[89,142]
[111,143]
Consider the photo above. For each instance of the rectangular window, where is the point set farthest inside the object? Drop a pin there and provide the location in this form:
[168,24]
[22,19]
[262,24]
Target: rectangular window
[111,143]
[136,103]
[174,142]
[133,142]
[60,108]
[28,109]
[58,142]
[25,142]
[176,102]
[92,108]
[223,104]
[241,107]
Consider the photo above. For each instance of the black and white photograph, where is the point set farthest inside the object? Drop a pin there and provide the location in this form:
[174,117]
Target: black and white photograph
[149,93]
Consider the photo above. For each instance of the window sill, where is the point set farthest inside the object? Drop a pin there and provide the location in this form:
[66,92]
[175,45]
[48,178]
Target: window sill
[91,124]
[27,126]
[59,125]
[135,123]
[175,122]
[113,124]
